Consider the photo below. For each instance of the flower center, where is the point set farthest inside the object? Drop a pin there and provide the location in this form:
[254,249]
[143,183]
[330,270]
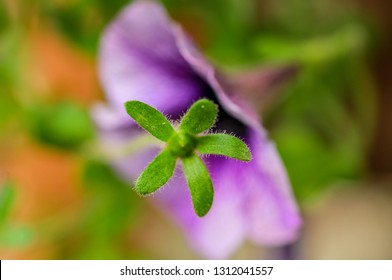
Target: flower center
[181,144]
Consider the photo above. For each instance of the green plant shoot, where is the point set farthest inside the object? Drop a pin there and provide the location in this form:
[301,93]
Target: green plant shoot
[185,144]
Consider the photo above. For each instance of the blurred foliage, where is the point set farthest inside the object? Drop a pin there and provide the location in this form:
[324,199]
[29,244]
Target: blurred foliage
[81,21]
[12,234]
[9,75]
[7,195]
[4,18]
[62,124]
[110,209]
[102,181]
[16,236]
[348,41]
[327,114]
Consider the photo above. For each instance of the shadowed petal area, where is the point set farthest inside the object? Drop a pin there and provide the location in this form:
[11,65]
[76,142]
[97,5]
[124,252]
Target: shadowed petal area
[139,60]
[218,234]
[108,118]
[272,215]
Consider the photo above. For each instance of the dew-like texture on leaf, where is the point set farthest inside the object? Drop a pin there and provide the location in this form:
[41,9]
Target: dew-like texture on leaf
[150,119]
[156,174]
[199,183]
[225,145]
[201,116]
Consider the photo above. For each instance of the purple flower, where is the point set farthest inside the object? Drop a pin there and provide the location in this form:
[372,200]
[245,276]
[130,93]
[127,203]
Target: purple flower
[146,57]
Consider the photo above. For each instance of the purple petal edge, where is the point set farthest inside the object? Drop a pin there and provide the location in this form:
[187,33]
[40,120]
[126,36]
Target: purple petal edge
[273,216]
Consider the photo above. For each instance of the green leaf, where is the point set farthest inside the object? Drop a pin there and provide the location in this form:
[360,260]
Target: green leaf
[225,145]
[199,183]
[156,174]
[150,119]
[201,116]
[7,196]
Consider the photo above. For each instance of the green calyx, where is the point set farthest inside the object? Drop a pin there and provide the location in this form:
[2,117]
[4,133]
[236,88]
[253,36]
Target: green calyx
[185,144]
[182,144]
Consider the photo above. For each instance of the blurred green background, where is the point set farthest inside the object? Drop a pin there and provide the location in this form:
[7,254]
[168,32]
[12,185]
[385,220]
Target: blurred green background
[331,124]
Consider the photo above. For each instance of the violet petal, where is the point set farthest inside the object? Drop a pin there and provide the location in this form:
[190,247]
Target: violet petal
[139,60]
[272,215]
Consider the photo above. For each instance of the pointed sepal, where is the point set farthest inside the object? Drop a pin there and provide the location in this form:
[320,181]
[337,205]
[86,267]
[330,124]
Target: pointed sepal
[225,145]
[200,184]
[156,174]
[150,119]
